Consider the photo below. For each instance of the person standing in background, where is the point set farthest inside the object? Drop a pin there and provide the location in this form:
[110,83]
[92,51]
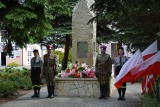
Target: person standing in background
[36,68]
[103,72]
[50,71]
[119,62]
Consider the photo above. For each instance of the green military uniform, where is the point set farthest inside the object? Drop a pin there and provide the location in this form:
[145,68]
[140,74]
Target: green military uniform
[103,73]
[50,71]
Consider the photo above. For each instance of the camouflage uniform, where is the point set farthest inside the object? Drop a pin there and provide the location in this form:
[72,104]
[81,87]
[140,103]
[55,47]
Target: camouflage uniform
[50,71]
[103,73]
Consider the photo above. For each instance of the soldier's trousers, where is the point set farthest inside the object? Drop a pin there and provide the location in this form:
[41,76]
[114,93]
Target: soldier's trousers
[49,77]
[104,89]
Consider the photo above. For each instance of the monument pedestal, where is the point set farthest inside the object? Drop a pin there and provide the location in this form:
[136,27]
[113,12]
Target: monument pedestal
[80,87]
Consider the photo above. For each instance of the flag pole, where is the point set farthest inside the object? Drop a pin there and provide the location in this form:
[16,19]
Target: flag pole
[152,85]
[145,88]
[157,87]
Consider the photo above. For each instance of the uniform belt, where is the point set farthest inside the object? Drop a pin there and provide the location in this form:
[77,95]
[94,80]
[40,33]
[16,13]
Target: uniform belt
[35,67]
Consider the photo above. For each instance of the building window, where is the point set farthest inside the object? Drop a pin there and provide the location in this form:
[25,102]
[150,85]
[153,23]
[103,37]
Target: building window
[29,56]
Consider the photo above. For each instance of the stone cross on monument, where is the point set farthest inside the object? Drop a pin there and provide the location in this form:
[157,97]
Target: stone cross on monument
[83,33]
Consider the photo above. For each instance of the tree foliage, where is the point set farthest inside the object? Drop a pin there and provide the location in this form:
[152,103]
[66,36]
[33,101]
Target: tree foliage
[29,21]
[133,22]
[62,25]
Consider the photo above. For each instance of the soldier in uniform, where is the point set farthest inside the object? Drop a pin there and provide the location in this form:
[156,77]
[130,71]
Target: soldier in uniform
[36,68]
[118,62]
[103,72]
[50,71]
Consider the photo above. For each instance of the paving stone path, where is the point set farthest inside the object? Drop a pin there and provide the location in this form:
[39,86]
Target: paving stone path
[133,99]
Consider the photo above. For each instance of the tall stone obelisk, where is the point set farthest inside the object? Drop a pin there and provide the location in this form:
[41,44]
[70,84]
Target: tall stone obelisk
[83,33]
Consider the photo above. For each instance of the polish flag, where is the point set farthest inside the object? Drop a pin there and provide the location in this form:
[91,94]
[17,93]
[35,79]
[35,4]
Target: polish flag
[150,51]
[148,67]
[147,53]
[148,80]
[125,74]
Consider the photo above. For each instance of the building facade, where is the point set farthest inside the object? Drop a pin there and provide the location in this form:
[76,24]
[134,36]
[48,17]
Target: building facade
[20,56]
[112,49]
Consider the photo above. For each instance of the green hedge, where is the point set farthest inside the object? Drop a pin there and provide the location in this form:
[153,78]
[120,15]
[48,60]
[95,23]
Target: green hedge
[8,88]
[14,78]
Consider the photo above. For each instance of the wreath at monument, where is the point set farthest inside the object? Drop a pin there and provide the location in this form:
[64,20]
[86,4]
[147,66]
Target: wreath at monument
[78,71]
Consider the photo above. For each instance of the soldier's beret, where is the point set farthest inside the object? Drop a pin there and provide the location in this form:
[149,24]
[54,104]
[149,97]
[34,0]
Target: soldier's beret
[49,47]
[103,46]
[35,50]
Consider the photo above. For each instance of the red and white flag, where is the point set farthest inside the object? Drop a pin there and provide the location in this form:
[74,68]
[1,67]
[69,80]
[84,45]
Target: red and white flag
[125,74]
[150,51]
[147,67]
[147,53]
[148,80]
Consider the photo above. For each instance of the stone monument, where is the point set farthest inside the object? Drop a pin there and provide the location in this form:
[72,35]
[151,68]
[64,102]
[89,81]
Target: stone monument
[83,33]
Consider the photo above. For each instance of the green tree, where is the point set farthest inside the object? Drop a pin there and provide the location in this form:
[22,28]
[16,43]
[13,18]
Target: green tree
[29,21]
[61,34]
[132,22]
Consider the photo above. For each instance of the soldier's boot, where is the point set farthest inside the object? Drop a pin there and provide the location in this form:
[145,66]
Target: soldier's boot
[123,93]
[52,91]
[119,92]
[101,96]
[101,91]
[38,92]
[105,88]
[35,92]
[49,91]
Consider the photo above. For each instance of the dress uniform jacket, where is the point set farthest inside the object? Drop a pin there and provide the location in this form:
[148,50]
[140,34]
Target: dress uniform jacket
[103,68]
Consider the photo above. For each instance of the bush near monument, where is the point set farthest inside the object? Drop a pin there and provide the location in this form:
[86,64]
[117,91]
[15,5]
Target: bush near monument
[12,79]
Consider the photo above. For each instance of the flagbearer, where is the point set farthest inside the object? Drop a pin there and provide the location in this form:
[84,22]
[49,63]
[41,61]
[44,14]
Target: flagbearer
[103,72]
[119,62]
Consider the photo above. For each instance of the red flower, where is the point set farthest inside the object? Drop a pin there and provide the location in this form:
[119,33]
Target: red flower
[77,75]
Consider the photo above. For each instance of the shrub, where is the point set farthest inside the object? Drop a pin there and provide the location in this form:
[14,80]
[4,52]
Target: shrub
[8,88]
[61,55]
[70,57]
[59,68]
[13,79]
[150,101]
[13,64]
[25,83]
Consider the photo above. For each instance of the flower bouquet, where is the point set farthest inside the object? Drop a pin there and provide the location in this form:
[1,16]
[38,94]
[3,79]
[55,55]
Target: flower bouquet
[78,71]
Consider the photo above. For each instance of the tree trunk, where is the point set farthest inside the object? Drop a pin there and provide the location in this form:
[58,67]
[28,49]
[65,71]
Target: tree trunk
[66,52]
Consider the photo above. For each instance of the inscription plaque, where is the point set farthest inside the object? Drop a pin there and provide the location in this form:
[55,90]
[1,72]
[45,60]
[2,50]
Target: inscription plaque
[82,49]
